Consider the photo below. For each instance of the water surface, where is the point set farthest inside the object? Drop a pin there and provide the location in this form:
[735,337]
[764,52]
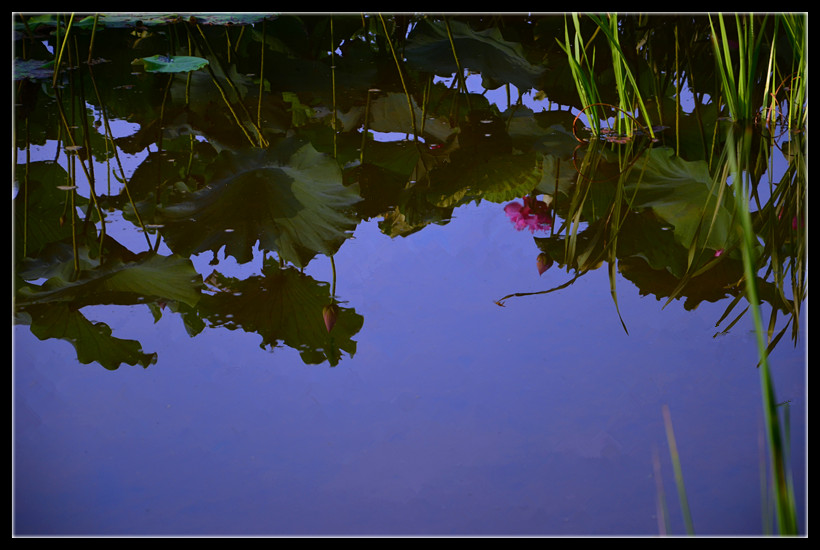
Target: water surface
[470,402]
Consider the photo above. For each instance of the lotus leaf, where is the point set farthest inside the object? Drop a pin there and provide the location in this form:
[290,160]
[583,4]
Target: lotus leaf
[173,64]
[485,52]
[285,306]
[290,199]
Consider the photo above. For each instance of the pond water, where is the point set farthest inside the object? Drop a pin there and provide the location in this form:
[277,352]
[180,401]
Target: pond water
[453,396]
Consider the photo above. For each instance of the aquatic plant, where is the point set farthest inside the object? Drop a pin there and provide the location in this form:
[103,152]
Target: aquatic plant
[276,135]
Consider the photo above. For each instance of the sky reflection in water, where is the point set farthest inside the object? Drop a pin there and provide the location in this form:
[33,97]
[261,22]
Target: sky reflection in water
[455,416]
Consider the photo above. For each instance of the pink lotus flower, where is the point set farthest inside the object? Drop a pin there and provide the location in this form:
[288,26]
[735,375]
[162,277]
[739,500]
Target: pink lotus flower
[533,214]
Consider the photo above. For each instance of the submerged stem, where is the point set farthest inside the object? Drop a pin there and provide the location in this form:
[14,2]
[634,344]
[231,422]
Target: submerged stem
[401,77]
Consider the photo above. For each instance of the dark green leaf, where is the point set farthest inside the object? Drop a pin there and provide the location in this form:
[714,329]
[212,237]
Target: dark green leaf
[92,341]
[290,200]
[284,306]
[485,52]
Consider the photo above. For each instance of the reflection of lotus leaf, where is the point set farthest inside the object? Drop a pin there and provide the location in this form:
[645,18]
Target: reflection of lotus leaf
[53,309]
[293,204]
[92,341]
[116,281]
[390,114]
[283,306]
[485,52]
[44,201]
[681,193]
[496,178]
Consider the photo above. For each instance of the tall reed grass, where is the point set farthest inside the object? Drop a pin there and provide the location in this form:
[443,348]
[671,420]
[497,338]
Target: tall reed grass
[584,72]
[753,86]
[784,502]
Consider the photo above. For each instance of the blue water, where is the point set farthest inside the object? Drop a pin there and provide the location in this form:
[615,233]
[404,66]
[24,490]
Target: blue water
[455,416]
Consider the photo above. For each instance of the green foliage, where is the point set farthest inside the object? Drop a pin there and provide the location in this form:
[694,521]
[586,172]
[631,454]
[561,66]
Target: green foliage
[32,69]
[290,199]
[282,132]
[485,52]
[92,341]
[173,64]
[282,306]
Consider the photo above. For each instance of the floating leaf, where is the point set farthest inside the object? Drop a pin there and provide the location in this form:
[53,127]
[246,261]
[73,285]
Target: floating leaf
[33,69]
[173,64]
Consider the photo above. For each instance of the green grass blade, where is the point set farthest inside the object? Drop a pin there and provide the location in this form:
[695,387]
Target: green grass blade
[673,453]
[783,494]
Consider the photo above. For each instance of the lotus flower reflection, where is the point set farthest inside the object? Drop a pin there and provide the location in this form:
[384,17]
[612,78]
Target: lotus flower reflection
[534,214]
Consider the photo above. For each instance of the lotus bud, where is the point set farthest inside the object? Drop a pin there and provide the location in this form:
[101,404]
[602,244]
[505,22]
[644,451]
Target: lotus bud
[544,262]
[330,314]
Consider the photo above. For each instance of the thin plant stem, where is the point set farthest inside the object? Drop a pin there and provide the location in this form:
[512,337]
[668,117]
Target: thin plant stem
[110,136]
[459,70]
[677,94]
[333,86]
[333,284]
[261,74]
[25,188]
[74,243]
[401,77]
[59,60]
[262,142]
[93,34]
[365,124]
[88,175]
[673,453]
[584,79]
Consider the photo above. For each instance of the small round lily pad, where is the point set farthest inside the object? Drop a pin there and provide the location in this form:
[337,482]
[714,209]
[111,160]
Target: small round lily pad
[173,64]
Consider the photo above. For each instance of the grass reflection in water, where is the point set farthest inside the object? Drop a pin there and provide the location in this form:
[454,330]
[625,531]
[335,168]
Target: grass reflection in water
[257,133]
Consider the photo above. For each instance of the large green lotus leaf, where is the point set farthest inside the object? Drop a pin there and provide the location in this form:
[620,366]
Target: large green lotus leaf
[397,157]
[537,131]
[289,199]
[151,19]
[644,235]
[712,285]
[681,193]
[486,52]
[391,113]
[151,277]
[496,178]
[92,341]
[284,306]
